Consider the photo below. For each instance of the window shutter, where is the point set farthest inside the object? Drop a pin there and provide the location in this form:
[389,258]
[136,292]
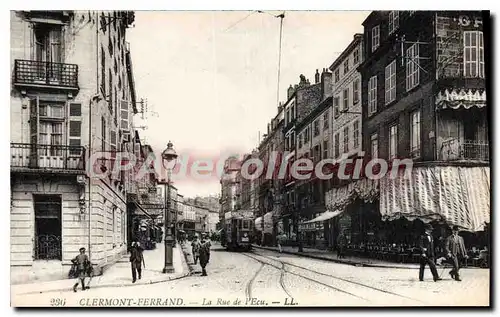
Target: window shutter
[124,116]
[34,124]
[75,128]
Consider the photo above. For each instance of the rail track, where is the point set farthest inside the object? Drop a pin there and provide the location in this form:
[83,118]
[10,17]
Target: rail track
[340,284]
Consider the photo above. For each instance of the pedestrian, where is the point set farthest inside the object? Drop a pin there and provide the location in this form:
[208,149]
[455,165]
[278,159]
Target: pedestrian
[280,239]
[455,249]
[136,261]
[195,249]
[341,244]
[204,253]
[427,254]
[82,264]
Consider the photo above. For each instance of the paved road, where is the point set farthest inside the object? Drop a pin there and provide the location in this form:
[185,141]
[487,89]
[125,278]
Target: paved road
[268,278]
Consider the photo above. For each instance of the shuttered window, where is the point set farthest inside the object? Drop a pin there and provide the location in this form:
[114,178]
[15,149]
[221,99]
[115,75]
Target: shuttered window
[75,129]
[124,116]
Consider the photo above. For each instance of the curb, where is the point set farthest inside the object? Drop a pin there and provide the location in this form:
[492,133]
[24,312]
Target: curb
[352,263]
[188,259]
[154,281]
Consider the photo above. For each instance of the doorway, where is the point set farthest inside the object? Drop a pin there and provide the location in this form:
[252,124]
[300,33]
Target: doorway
[48,242]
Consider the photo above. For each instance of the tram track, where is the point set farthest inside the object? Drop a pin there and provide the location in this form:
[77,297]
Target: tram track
[347,282]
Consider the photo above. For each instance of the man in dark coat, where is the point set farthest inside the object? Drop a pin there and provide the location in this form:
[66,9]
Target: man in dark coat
[341,244]
[455,248]
[204,253]
[427,254]
[136,260]
[82,263]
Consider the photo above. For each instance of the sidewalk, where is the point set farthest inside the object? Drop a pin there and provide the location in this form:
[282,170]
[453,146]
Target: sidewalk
[349,260]
[118,275]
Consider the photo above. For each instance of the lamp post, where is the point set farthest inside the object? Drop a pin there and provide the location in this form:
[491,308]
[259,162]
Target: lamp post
[168,156]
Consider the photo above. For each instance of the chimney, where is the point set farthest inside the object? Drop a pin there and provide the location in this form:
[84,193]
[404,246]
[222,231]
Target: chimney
[290,92]
[326,84]
[316,76]
[280,107]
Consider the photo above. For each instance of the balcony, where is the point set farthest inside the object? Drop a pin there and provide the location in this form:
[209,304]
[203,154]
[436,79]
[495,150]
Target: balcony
[29,73]
[39,157]
[455,150]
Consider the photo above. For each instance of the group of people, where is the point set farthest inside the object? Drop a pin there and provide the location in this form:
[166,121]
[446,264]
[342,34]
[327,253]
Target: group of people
[201,251]
[454,250]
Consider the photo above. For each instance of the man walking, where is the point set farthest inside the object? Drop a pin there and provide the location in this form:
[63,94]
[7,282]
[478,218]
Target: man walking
[195,249]
[204,253]
[427,254]
[455,248]
[136,260]
[82,263]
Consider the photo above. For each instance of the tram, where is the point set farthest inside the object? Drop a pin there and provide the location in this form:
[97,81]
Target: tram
[238,230]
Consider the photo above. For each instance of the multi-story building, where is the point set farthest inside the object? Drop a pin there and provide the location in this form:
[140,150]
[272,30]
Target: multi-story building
[423,98]
[229,187]
[346,133]
[213,220]
[313,135]
[72,95]
[189,219]
[301,99]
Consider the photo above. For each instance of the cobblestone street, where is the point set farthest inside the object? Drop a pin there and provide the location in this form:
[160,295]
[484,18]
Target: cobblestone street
[276,280]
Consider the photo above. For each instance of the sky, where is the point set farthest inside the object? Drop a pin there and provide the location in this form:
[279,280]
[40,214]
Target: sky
[211,77]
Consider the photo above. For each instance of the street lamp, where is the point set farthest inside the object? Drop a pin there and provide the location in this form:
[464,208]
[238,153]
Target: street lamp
[168,156]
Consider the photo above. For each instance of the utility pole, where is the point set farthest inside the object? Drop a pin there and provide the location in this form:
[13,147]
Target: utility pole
[281,16]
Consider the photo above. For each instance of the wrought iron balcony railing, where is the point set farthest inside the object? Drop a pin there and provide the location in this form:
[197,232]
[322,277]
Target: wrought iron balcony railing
[42,156]
[38,73]
[454,149]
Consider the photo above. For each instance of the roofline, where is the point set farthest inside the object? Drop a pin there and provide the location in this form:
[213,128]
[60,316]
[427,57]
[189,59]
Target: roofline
[358,38]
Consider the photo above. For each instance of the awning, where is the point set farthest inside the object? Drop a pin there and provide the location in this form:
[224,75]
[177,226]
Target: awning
[339,198]
[460,98]
[142,211]
[325,216]
[268,223]
[458,195]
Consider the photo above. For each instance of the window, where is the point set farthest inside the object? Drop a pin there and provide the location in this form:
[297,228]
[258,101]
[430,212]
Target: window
[346,99]
[48,40]
[393,21]
[316,128]
[375,38]
[292,112]
[355,56]
[103,72]
[374,145]
[390,82]
[346,139]
[372,95]
[346,66]
[287,116]
[325,149]
[292,140]
[123,223]
[326,120]
[393,141]
[336,109]
[415,134]
[355,91]
[300,140]
[412,67]
[110,97]
[473,54]
[337,145]
[113,208]
[124,124]
[337,75]
[103,134]
[75,128]
[355,129]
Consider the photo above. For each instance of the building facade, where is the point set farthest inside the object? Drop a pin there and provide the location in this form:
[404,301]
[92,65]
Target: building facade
[424,102]
[72,95]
